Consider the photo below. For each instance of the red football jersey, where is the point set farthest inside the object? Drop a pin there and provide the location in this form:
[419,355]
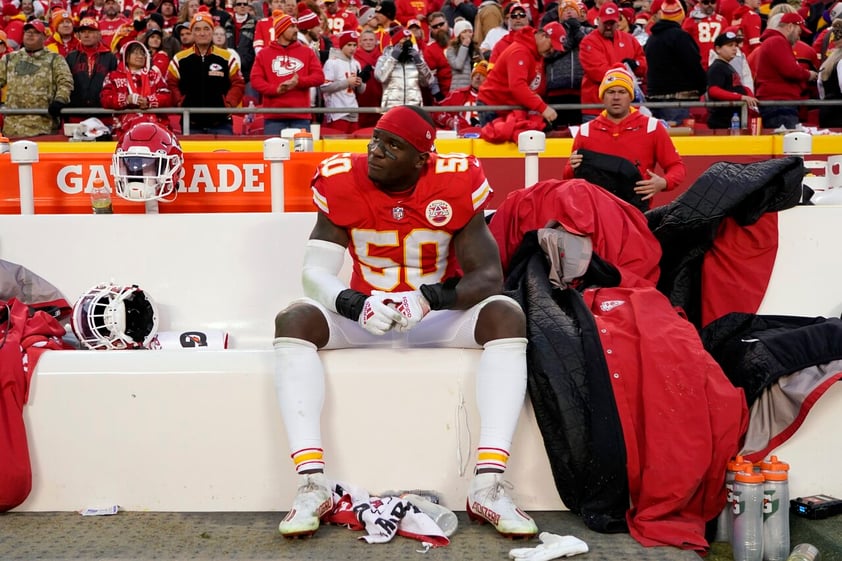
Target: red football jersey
[400,241]
[705,31]
[342,21]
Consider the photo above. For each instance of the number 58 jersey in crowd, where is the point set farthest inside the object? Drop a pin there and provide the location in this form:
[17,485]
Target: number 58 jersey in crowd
[399,241]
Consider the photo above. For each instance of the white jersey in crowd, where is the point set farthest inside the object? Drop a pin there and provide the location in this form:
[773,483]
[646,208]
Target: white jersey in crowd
[491,38]
[336,92]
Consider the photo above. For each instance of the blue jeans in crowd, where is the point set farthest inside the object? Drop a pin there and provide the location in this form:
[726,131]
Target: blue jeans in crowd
[225,128]
[672,114]
[485,117]
[773,117]
[273,127]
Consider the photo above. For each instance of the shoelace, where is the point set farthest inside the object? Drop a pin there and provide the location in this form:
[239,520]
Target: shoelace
[310,486]
[499,488]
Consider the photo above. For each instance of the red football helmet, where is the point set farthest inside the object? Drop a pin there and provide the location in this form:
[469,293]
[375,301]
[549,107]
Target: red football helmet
[147,163]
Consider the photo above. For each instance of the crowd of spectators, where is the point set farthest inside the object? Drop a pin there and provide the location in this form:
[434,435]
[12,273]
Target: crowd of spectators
[345,54]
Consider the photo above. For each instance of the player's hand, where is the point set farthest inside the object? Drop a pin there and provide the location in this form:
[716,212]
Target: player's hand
[378,316]
[549,114]
[412,306]
[575,159]
[648,188]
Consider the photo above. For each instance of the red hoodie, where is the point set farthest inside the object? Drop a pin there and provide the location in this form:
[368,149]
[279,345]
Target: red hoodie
[274,65]
[597,54]
[517,76]
[777,72]
[639,139]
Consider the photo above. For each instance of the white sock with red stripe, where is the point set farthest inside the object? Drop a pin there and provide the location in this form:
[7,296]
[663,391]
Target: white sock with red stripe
[501,387]
[300,385]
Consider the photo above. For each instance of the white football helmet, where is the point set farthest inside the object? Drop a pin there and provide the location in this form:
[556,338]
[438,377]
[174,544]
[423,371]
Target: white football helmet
[109,316]
[147,163]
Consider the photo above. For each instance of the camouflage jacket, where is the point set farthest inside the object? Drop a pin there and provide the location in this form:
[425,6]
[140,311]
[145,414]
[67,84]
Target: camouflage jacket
[33,81]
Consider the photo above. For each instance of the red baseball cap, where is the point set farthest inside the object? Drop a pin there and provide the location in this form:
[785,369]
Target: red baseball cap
[512,6]
[556,33]
[609,12]
[628,13]
[793,17]
[36,24]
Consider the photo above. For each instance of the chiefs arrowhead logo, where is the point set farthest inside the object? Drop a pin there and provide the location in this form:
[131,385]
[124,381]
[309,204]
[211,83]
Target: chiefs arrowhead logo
[439,213]
[284,66]
[609,305]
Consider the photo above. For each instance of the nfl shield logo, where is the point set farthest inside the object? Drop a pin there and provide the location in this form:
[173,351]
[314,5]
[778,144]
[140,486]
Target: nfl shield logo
[397,213]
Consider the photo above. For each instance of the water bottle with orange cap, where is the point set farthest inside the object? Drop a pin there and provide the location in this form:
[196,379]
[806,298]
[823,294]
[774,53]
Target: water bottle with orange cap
[725,525]
[775,509]
[747,542]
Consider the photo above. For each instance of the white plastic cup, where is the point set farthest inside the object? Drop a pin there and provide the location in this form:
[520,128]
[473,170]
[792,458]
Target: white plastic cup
[316,131]
[442,516]
[833,174]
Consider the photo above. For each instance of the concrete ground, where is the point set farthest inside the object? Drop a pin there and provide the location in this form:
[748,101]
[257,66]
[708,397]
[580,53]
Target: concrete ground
[253,536]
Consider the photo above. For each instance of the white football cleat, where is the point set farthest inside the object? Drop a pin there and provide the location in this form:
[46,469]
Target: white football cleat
[313,501]
[488,502]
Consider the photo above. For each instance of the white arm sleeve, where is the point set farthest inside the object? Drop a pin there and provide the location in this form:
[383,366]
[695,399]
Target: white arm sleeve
[322,263]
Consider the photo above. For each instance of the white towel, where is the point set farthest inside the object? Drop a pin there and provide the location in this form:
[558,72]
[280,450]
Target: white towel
[193,339]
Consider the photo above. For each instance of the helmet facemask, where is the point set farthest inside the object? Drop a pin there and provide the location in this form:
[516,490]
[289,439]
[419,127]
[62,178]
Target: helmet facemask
[140,175]
[112,317]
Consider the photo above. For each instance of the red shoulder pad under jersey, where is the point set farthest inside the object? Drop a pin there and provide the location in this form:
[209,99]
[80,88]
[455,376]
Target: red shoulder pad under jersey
[400,241]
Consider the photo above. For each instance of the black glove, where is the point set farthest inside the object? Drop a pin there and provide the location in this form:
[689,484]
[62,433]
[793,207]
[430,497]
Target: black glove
[365,73]
[55,109]
[633,64]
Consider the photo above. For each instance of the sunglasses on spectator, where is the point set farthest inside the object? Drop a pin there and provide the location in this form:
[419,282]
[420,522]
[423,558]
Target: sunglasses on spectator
[519,15]
[708,2]
[437,25]
[241,3]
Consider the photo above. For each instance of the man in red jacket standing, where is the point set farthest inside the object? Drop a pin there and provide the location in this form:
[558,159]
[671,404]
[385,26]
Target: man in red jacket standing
[621,130]
[778,74]
[747,18]
[516,78]
[283,74]
[603,49]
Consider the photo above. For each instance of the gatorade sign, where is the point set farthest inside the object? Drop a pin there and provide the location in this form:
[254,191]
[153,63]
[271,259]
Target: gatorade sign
[210,182]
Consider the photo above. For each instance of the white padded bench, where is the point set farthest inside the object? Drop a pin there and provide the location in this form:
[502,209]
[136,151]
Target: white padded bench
[200,430]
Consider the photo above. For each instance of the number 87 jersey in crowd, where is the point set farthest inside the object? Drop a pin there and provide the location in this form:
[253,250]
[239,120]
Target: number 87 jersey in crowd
[401,240]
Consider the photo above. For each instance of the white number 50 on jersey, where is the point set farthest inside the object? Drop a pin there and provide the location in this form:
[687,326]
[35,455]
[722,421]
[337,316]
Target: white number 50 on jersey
[402,259]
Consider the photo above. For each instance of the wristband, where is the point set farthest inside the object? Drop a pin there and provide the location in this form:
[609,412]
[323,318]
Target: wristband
[440,296]
[349,303]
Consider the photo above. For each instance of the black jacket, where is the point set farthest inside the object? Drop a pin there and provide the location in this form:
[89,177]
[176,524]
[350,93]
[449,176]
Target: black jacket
[204,81]
[687,226]
[571,394]
[88,85]
[673,61]
[616,175]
